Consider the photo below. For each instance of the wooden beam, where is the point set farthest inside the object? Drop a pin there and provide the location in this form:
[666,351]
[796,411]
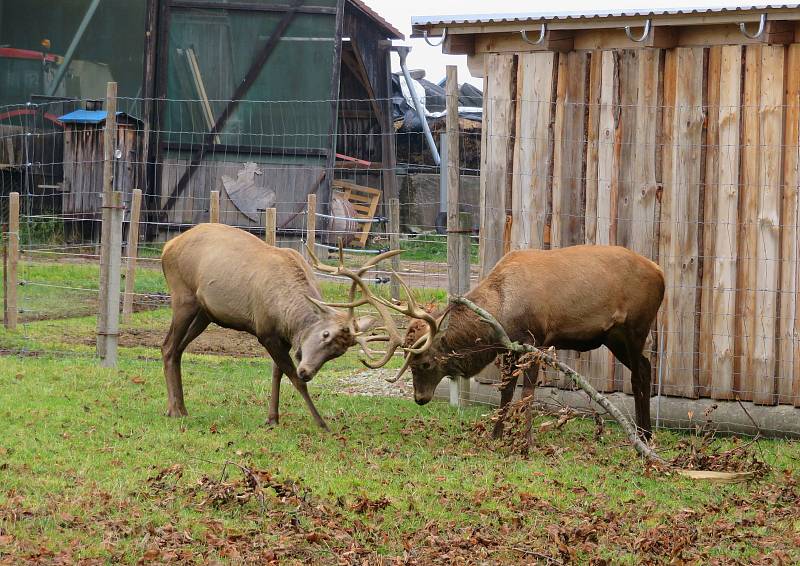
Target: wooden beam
[459,44]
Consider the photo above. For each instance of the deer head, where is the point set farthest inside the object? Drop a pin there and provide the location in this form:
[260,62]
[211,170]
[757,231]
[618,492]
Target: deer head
[391,336]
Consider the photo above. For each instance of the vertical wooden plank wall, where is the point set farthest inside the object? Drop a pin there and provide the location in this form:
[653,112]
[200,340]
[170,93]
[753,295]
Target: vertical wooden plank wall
[609,146]
[497,158]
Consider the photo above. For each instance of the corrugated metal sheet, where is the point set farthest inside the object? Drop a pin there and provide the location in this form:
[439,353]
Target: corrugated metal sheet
[422,21]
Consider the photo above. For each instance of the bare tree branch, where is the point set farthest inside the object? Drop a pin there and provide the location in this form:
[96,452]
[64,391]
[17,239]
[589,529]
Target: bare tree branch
[630,430]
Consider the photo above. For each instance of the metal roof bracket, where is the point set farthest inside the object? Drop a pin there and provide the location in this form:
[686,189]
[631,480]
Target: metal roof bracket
[762,24]
[425,37]
[644,35]
[542,33]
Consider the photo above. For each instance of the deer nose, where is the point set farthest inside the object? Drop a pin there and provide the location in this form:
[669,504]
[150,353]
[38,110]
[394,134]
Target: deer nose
[304,374]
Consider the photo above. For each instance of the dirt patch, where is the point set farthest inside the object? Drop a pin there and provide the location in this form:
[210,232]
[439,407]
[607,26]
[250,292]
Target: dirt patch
[215,340]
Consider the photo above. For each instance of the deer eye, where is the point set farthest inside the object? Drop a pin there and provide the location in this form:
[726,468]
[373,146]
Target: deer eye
[326,334]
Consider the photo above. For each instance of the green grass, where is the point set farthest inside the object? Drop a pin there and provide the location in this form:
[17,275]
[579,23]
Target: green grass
[83,450]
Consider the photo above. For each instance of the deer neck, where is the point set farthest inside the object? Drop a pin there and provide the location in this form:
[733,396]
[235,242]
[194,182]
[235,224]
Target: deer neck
[298,322]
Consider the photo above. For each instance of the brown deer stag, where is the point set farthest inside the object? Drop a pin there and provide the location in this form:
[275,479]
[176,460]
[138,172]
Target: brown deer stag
[575,298]
[224,275]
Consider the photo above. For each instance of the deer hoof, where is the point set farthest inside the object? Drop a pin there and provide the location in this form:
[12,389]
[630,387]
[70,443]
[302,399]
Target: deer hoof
[272,421]
[175,412]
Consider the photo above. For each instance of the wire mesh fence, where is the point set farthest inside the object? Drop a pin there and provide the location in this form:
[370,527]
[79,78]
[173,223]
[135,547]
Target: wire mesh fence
[705,187]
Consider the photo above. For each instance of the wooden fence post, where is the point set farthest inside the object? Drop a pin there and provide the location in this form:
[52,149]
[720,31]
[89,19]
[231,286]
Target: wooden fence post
[270,225]
[311,221]
[13,260]
[213,211]
[451,170]
[112,286]
[460,388]
[132,253]
[394,244]
[109,147]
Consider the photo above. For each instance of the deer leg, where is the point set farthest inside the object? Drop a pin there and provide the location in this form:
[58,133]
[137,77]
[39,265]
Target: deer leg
[641,377]
[281,357]
[182,330]
[274,398]
[506,394]
[629,354]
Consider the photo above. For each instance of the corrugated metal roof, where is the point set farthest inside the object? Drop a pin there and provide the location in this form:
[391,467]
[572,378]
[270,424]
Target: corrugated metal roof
[92,117]
[423,21]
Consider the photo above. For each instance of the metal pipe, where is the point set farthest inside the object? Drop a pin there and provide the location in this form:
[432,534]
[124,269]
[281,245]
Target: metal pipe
[402,51]
[87,17]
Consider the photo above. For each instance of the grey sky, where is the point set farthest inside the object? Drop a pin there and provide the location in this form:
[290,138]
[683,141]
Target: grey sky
[399,13]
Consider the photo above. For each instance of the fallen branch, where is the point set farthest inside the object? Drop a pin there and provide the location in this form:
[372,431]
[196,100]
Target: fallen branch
[630,430]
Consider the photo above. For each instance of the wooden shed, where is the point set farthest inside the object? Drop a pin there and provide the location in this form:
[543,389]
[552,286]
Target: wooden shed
[674,133]
[82,188]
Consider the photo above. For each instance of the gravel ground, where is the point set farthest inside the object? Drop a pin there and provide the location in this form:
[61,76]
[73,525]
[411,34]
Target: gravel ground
[372,383]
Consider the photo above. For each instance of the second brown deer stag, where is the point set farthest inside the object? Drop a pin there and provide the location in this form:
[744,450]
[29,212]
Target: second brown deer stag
[575,298]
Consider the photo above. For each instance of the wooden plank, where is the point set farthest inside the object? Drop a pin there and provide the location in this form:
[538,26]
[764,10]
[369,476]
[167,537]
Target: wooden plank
[789,332]
[569,151]
[311,223]
[213,208]
[132,253]
[497,159]
[710,196]
[270,225]
[770,116]
[453,176]
[683,128]
[601,165]
[724,230]
[748,211]
[532,150]
[592,144]
[624,183]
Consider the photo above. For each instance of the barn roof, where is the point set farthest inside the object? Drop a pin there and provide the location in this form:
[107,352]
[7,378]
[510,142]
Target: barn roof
[391,31]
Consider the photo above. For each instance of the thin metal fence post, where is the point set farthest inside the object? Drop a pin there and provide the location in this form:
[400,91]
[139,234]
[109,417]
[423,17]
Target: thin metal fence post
[13,261]
[213,212]
[111,335]
[394,244]
[132,254]
[270,225]
[109,150]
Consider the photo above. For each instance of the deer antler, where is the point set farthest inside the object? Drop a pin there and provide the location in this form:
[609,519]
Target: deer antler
[392,336]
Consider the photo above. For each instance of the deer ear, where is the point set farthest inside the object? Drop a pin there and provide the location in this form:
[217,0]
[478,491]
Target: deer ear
[364,323]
